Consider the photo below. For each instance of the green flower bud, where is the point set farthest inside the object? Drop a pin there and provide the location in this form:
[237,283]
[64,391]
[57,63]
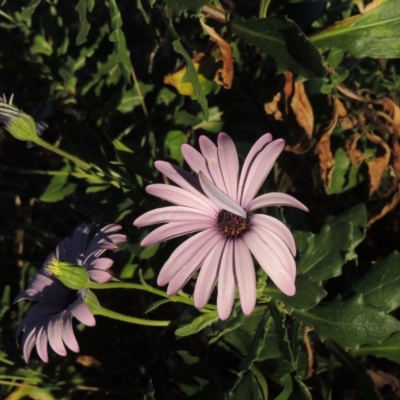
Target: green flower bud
[73,277]
[22,126]
[92,302]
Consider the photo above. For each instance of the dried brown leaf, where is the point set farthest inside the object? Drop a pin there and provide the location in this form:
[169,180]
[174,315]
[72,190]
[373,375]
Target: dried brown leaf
[271,108]
[224,75]
[382,379]
[377,167]
[323,147]
[355,155]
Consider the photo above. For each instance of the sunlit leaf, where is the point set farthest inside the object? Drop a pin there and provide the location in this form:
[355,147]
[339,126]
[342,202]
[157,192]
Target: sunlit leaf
[373,34]
[29,9]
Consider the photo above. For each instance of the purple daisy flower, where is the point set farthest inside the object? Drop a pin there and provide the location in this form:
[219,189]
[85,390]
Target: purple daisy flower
[50,319]
[219,202]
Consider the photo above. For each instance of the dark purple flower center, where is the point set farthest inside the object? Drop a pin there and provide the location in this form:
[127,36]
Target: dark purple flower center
[230,224]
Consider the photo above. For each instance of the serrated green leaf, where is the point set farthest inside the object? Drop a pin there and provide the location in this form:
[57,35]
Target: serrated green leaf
[257,343]
[198,324]
[380,286]
[308,294]
[29,10]
[373,34]
[389,348]
[247,388]
[350,322]
[282,39]
[323,255]
[82,8]
[222,328]
[355,370]
[117,36]
[178,6]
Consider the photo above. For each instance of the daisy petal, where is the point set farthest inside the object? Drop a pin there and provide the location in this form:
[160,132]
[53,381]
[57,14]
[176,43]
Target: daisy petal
[54,333]
[226,282]
[208,274]
[245,276]
[210,153]
[175,229]
[96,275]
[199,243]
[81,312]
[181,197]
[278,247]
[171,214]
[41,344]
[260,169]
[229,163]
[101,263]
[277,227]
[68,335]
[248,162]
[220,198]
[270,263]
[195,160]
[275,199]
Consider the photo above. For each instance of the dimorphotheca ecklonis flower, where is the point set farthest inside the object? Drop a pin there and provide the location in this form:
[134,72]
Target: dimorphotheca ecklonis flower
[50,319]
[219,201]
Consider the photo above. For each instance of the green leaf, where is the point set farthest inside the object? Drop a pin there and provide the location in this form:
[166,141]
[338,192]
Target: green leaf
[82,7]
[282,39]
[308,294]
[287,387]
[380,286]
[178,6]
[172,144]
[389,348]
[257,343]
[198,324]
[374,34]
[323,255]
[118,38]
[355,370]
[350,322]
[29,10]
[247,388]
[59,187]
[191,74]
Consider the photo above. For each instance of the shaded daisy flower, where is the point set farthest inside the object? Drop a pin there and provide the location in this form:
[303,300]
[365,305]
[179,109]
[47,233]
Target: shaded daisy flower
[50,319]
[219,202]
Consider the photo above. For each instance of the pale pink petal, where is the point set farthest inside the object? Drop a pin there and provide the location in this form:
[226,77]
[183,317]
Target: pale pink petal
[275,244]
[270,263]
[69,336]
[248,162]
[28,341]
[101,263]
[41,344]
[172,214]
[181,197]
[245,276]
[99,276]
[229,163]
[201,243]
[208,274]
[195,160]
[226,282]
[275,199]
[210,153]
[178,175]
[81,312]
[220,198]
[260,169]
[277,227]
[54,333]
[173,230]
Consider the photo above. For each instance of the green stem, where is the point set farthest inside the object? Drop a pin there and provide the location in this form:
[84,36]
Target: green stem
[132,320]
[263,8]
[150,289]
[83,164]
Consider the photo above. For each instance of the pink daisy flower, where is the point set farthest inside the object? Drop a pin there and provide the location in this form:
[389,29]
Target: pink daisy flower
[218,202]
[50,319]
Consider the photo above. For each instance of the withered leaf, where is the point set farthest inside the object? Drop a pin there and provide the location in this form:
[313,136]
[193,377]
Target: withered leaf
[355,155]
[224,75]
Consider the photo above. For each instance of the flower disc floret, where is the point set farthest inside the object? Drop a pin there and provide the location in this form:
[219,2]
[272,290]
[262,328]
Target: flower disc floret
[216,205]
